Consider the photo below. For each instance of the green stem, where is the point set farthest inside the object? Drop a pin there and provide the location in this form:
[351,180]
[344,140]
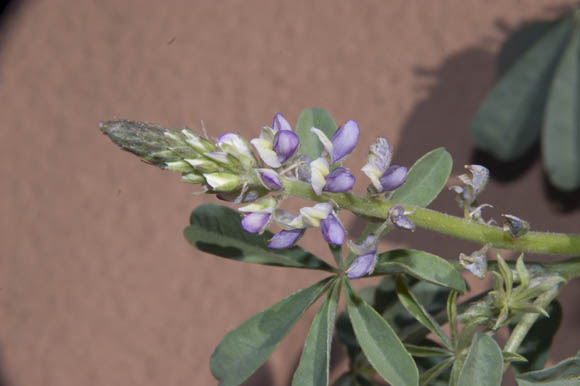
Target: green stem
[521,330]
[538,242]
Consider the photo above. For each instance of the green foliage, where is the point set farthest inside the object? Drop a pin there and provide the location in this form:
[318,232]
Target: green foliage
[421,265]
[313,368]
[565,373]
[425,180]
[309,118]
[484,363]
[217,230]
[380,343]
[246,347]
[561,134]
[538,94]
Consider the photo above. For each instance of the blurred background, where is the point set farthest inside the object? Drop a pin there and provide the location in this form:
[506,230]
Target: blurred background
[97,284]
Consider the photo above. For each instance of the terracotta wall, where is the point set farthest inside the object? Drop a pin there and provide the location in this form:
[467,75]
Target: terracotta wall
[97,285]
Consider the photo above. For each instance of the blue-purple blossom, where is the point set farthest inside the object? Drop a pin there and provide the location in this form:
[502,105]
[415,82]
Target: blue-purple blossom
[280,123]
[285,144]
[285,238]
[365,263]
[362,266]
[255,222]
[399,220]
[270,179]
[344,140]
[393,177]
[332,230]
[339,180]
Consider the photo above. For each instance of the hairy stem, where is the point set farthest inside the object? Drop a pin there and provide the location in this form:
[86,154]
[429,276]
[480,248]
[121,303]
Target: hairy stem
[538,242]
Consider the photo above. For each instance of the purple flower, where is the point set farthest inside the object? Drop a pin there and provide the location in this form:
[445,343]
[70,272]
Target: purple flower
[398,218]
[285,144]
[280,123]
[285,238]
[344,140]
[255,222]
[270,179]
[393,177]
[339,180]
[362,266]
[332,230]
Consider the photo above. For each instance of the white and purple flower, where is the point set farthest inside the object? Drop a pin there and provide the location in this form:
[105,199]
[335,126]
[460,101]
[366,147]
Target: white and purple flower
[258,215]
[384,178]
[277,144]
[335,149]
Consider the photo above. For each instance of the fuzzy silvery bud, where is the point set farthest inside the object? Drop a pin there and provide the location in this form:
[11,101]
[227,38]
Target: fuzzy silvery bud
[203,165]
[193,178]
[178,166]
[200,144]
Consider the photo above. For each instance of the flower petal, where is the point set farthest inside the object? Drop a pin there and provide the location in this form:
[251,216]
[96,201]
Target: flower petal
[339,180]
[267,154]
[393,177]
[403,222]
[363,265]
[255,222]
[313,214]
[332,230]
[344,140]
[285,144]
[285,238]
[270,179]
[280,123]
[326,143]
[369,245]
[318,172]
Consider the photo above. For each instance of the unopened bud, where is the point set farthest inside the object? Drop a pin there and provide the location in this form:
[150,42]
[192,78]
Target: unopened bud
[179,166]
[515,226]
[222,182]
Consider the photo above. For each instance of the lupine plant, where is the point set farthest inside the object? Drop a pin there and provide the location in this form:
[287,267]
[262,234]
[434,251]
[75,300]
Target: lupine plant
[393,330]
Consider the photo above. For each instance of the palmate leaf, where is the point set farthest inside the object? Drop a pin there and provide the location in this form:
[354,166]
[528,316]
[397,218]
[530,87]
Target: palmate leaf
[507,123]
[561,130]
[313,368]
[309,143]
[484,363]
[246,347]
[380,343]
[565,373]
[421,265]
[217,230]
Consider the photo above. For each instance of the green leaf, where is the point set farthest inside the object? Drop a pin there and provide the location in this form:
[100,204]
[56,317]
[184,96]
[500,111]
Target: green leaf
[484,363]
[246,347]
[217,230]
[315,359]
[565,373]
[561,130]
[536,345]
[422,265]
[425,179]
[380,343]
[351,379]
[409,301]
[507,122]
[452,317]
[430,375]
[427,351]
[309,118]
